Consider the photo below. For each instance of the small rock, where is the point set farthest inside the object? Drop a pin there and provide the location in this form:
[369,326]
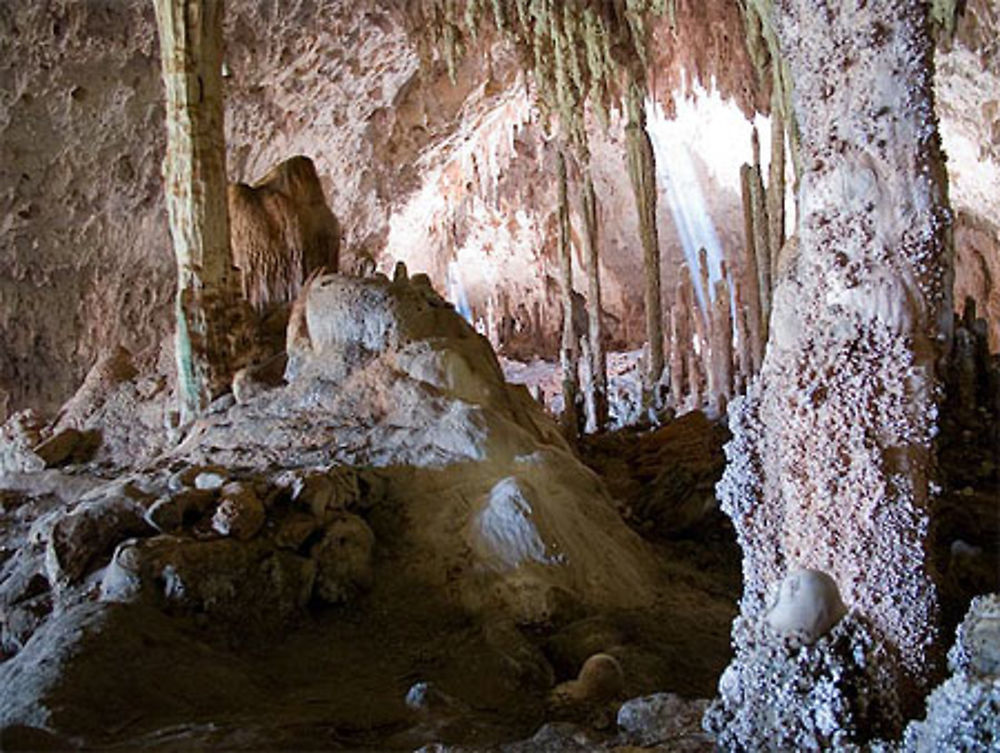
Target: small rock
[245,387]
[427,698]
[600,681]
[326,495]
[57,450]
[343,559]
[209,481]
[222,403]
[165,515]
[240,514]
[660,717]
[295,530]
[79,538]
[806,604]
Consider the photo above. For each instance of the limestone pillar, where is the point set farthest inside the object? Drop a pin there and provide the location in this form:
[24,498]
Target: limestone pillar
[598,360]
[195,178]
[568,351]
[831,462]
[642,171]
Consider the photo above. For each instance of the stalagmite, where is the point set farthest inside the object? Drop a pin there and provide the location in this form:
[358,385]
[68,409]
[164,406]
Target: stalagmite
[598,360]
[678,347]
[195,175]
[832,458]
[568,352]
[776,182]
[742,358]
[751,280]
[692,333]
[758,207]
[721,373]
[705,277]
[642,171]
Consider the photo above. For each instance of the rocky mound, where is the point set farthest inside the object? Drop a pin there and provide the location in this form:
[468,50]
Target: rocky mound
[395,471]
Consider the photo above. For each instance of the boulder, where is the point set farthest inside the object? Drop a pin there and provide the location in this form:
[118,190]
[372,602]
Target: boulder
[244,586]
[343,559]
[81,539]
[240,514]
[660,718]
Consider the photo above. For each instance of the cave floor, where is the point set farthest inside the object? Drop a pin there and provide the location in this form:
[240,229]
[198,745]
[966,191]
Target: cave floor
[340,679]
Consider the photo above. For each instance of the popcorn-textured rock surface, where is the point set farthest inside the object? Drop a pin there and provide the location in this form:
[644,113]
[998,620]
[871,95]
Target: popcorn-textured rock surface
[963,713]
[781,694]
[831,462]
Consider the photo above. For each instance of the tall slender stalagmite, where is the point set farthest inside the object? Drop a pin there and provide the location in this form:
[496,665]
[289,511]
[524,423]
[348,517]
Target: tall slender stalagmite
[568,351]
[598,359]
[195,173]
[750,287]
[642,171]
[721,373]
[776,180]
[832,458]
[678,346]
[761,243]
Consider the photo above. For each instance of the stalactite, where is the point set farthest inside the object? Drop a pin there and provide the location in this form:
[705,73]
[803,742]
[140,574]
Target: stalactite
[577,52]
[642,172]
[195,172]
[598,360]
[776,183]
[568,353]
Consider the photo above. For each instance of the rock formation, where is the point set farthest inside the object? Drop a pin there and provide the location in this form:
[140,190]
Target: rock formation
[290,430]
[282,231]
[831,464]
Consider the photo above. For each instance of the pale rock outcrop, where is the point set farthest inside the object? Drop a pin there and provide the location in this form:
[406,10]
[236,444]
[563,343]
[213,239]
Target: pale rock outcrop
[387,374]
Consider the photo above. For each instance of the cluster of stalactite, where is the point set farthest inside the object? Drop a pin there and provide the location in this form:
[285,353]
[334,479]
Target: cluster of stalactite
[578,51]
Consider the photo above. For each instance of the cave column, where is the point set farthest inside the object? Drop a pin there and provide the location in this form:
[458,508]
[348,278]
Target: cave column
[776,178]
[831,461]
[751,279]
[195,177]
[642,171]
[598,359]
[568,351]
